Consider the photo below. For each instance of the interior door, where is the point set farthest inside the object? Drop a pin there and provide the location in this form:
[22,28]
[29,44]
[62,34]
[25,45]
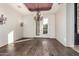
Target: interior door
[76,6]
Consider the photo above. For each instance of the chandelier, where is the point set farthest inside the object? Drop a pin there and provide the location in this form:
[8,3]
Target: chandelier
[38,16]
[2,19]
[37,19]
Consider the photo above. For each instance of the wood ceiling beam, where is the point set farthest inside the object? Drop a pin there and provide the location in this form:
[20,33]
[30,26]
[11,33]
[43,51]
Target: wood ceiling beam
[38,6]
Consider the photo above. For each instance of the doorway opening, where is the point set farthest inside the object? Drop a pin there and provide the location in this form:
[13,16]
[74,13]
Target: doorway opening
[11,37]
[45,26]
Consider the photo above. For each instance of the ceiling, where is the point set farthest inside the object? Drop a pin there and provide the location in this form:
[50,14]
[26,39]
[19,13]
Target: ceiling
[21,8]
[38,6]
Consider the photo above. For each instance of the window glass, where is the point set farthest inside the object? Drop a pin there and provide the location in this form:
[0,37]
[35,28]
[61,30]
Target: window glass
[45,25]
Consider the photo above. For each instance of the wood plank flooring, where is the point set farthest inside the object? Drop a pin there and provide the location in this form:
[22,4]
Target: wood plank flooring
[37,47]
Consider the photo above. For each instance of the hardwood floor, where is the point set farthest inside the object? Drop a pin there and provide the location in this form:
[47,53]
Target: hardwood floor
[37,47]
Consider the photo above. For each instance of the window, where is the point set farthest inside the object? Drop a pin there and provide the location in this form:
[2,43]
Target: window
[45,25]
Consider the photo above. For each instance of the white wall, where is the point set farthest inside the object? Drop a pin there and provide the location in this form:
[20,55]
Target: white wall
[29,28]
[60,26]
[12,24]
[70,24]
[65,24]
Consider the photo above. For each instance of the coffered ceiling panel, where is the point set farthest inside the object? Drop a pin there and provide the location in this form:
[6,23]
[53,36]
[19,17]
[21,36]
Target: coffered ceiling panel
[38,6]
